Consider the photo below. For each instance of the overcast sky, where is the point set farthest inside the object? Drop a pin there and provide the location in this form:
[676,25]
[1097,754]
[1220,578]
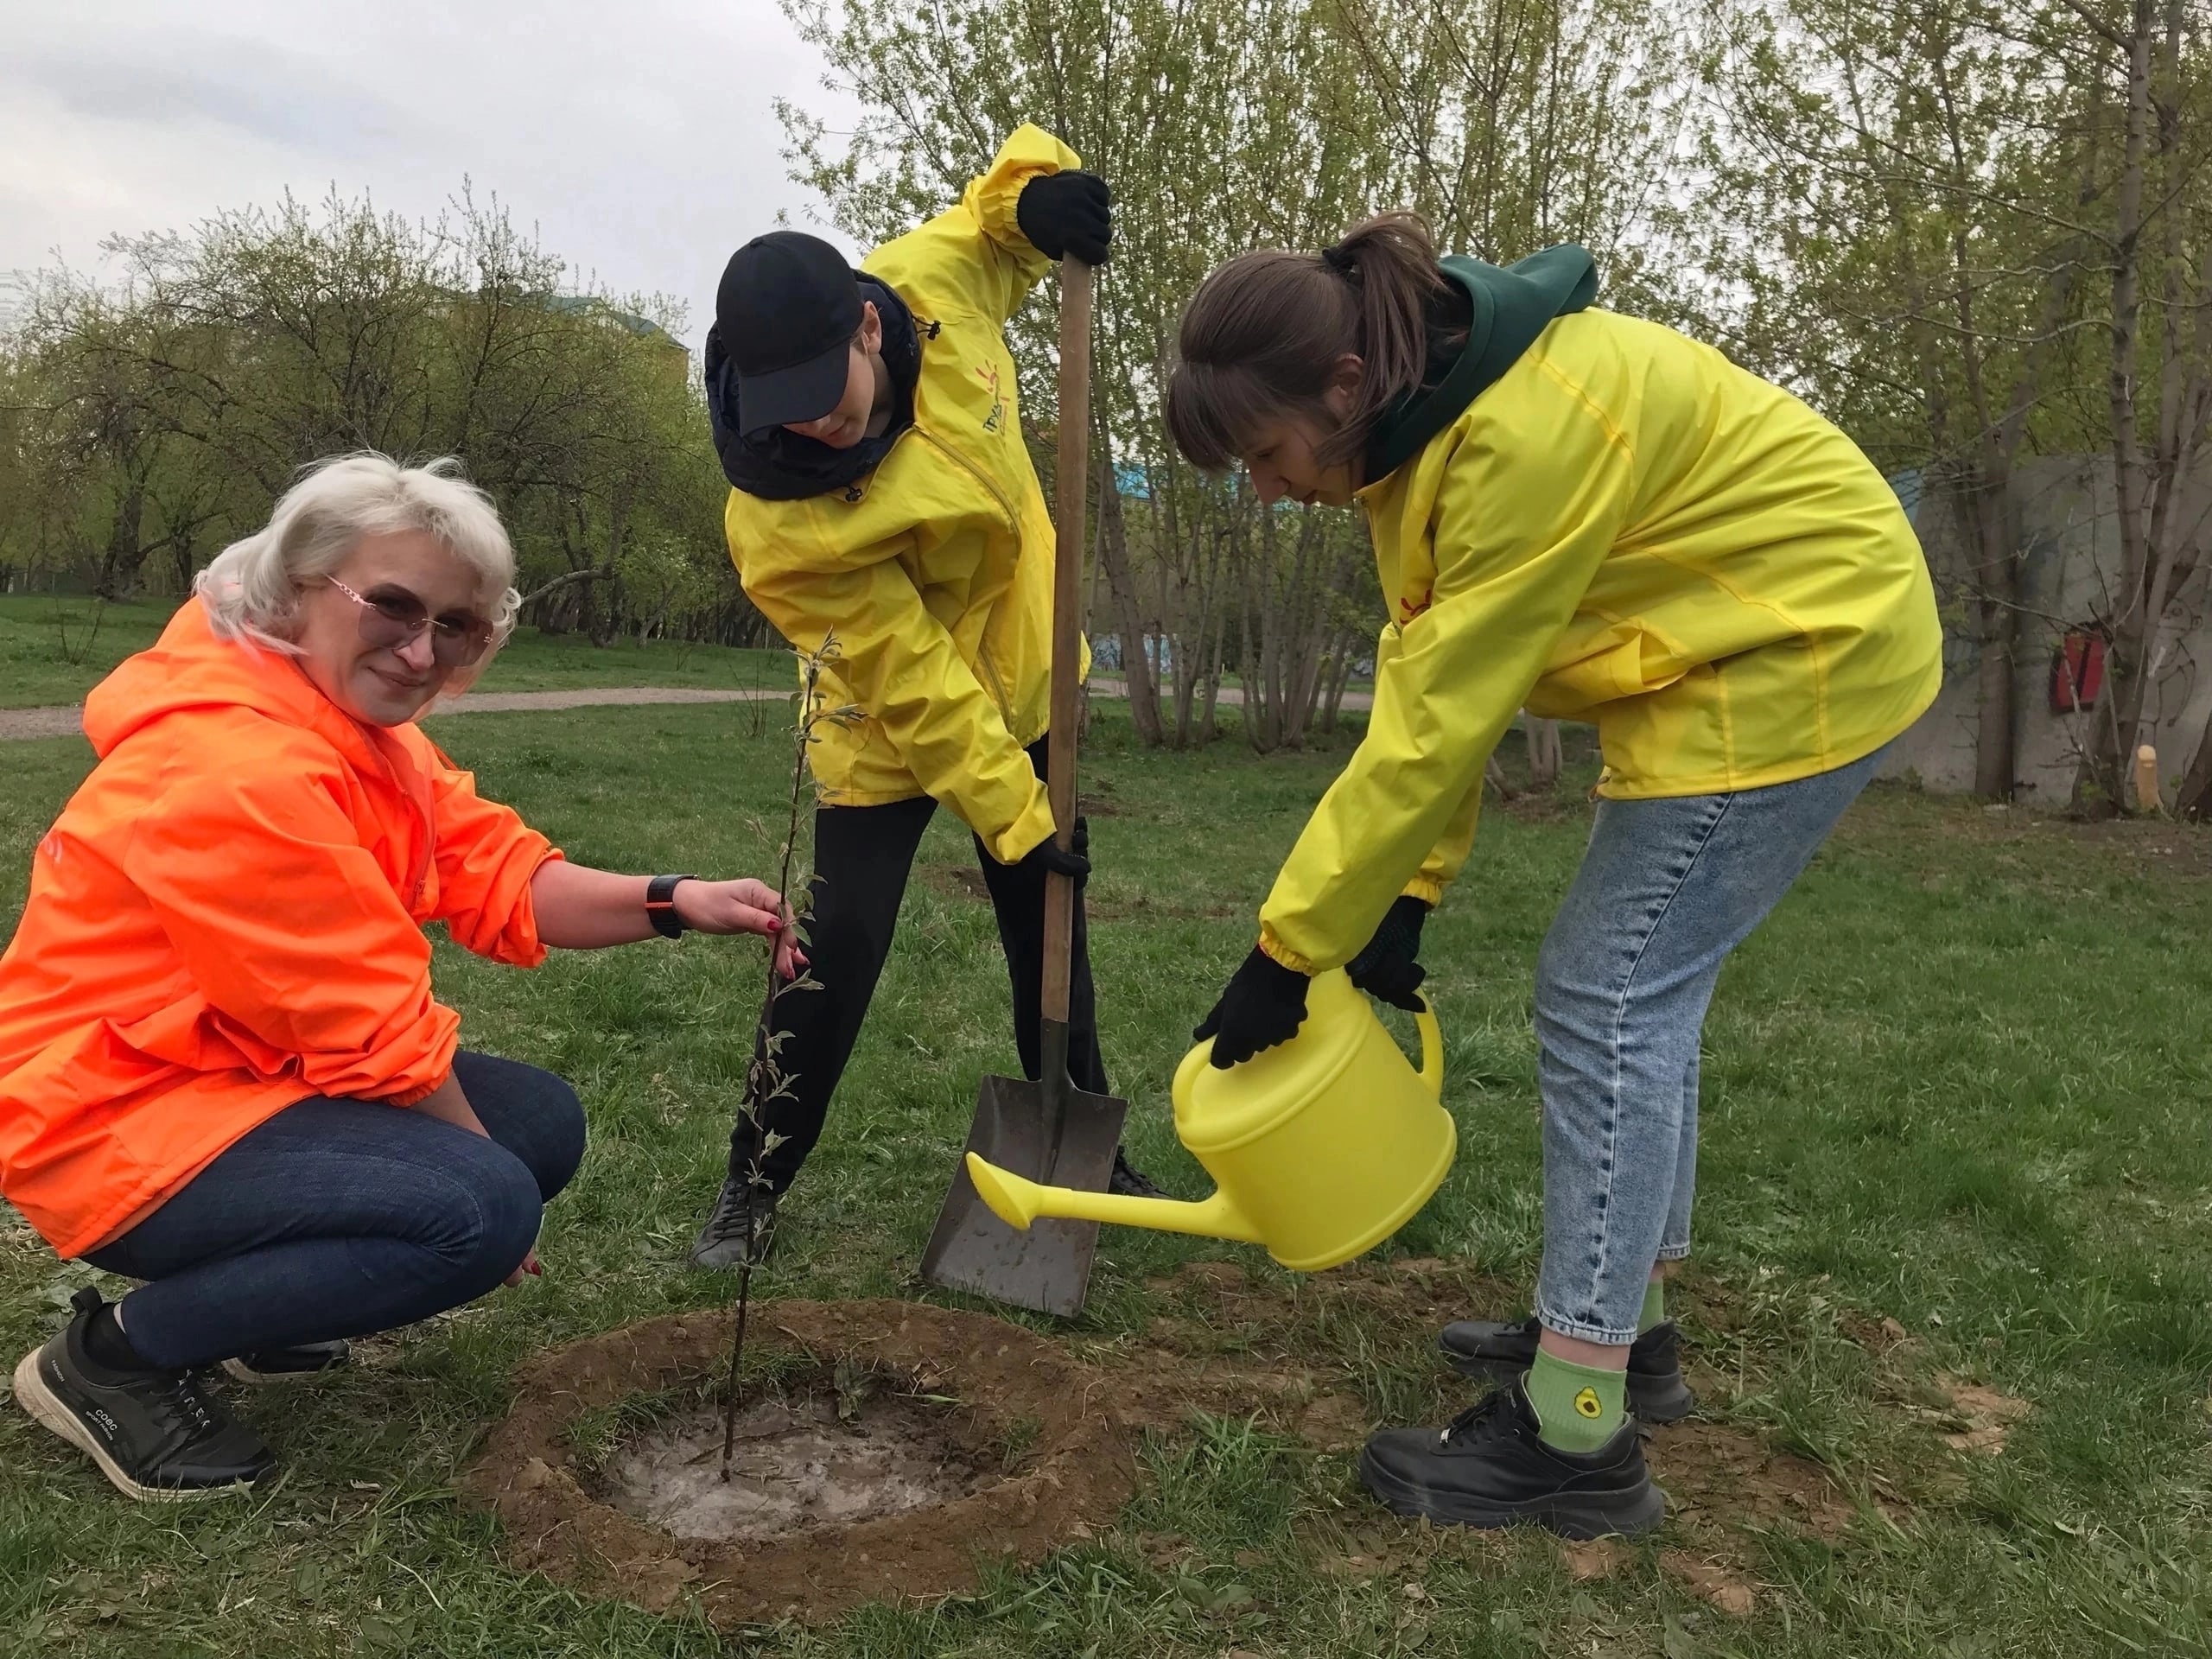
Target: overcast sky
[640,139]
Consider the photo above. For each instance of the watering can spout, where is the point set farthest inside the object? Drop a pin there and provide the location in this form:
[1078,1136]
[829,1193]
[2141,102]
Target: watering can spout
[1018,1202]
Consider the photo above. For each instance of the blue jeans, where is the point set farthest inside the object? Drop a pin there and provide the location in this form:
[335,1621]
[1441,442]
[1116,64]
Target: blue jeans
[340,1217]
[1667,889]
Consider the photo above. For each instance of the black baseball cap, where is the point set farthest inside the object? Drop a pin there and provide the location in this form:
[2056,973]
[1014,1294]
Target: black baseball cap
[787,309]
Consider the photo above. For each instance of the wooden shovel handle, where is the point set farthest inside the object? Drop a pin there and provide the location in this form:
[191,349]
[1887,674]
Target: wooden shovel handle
[1067,617]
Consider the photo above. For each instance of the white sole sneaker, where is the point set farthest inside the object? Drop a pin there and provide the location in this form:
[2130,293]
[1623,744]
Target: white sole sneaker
[35,1397]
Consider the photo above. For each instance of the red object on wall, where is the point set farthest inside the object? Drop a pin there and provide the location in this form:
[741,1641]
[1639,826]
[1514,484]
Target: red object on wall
[2077,673]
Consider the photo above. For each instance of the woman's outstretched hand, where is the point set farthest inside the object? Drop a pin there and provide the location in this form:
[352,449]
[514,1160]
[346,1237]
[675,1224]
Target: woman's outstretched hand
[742,907]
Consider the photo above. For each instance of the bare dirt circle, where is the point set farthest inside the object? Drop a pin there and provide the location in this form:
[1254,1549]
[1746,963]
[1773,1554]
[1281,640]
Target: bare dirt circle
[890,1450]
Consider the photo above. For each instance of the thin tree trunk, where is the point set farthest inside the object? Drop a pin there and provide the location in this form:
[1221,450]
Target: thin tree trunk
[1114,560]
[125,552]
[1987,509]
[2102,785]
[1339,675]
[1544,756]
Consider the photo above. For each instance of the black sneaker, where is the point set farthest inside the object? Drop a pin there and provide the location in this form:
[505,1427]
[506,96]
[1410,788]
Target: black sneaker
[155,1434]
[1657,1392]
[1491,1469]
[1130,1182]
[283,1364]
[740,1228]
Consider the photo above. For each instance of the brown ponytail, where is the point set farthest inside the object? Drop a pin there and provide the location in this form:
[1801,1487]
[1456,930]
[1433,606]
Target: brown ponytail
[1261,336]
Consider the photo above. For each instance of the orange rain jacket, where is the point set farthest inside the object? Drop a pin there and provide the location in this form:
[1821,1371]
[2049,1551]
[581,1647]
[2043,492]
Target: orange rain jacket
[227,917]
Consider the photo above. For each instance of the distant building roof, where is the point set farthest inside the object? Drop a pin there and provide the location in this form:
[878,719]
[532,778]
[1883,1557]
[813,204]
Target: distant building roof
[578,304]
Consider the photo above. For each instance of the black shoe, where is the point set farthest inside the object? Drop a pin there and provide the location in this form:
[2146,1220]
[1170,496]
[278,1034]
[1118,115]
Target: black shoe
[155,1434]
[741,1229]
[283,1364]
[1657,1392]
[1130,1183]
[1491,1469]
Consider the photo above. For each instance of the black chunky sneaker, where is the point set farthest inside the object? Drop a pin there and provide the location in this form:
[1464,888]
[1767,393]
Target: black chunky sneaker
[283,1364]
[155,1434]
[1130,1182]
[1490,1468]
[741,1227]
[1657,1392]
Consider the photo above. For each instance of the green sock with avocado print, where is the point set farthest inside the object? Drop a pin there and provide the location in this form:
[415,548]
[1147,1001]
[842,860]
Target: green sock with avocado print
[1655,1306]
[1578,1407]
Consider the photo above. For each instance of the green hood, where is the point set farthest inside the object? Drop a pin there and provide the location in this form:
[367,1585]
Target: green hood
[1513,304]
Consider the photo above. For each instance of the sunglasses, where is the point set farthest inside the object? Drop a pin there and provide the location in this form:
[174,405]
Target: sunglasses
[395,617]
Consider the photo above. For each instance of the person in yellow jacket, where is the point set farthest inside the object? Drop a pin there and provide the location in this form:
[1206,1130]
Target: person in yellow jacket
[882,493]
[1595,519]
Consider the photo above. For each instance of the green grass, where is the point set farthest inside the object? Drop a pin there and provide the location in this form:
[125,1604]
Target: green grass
[50,654]
[1959,1081]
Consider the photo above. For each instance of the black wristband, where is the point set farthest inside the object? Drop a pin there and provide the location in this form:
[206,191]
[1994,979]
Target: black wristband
[660,905]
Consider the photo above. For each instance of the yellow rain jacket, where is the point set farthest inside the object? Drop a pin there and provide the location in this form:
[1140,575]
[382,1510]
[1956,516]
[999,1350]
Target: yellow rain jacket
[1626,529]
[935,571]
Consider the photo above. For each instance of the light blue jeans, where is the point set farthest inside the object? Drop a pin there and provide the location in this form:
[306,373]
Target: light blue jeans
[1667,889]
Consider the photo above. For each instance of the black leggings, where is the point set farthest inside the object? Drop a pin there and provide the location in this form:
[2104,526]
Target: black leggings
[862,855]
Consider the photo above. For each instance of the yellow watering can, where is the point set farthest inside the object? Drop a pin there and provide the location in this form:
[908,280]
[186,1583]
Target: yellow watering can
[1320,1149]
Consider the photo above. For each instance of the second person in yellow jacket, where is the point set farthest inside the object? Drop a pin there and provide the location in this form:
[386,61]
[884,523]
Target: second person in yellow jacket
[882,493]
[1596,518]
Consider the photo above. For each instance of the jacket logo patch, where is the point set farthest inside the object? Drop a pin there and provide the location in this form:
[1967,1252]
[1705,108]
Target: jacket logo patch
[1409,607]
[996,418]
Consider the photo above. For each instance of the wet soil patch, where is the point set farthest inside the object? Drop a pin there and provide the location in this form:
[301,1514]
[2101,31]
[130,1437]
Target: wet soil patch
[1020,1450]
[818,1455]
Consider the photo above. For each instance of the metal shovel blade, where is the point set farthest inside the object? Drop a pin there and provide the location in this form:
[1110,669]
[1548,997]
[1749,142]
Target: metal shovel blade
[1045,1267]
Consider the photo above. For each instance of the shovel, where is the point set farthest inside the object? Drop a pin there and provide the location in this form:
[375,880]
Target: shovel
[1049,1131]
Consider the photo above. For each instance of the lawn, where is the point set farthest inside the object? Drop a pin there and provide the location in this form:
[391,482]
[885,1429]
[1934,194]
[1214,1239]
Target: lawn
[51,652]
[1949,1312]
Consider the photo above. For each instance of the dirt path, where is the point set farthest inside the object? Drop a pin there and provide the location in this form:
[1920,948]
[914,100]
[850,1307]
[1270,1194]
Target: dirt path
[68,722]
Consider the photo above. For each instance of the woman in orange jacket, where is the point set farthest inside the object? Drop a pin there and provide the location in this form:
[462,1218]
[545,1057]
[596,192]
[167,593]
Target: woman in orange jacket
[221,1068]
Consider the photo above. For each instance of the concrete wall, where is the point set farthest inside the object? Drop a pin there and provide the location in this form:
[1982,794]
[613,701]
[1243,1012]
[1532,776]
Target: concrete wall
[2072,561]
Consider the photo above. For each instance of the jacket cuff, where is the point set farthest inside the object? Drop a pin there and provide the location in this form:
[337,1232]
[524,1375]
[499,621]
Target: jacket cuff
[1425,888]
[1028,152]
[1025,834]
[1271,944]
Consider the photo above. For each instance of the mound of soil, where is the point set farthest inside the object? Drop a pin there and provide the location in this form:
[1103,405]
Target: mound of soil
[977,1440]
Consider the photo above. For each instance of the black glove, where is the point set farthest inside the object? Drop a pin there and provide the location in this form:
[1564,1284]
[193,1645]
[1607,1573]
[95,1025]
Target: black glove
[1065,213]
[1387,968]
[1074,863]
[1263,1005]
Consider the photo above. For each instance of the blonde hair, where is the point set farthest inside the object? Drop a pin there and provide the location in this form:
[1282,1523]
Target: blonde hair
[252,589]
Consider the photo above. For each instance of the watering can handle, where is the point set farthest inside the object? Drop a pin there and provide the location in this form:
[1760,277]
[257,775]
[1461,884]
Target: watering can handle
[1432,1047]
